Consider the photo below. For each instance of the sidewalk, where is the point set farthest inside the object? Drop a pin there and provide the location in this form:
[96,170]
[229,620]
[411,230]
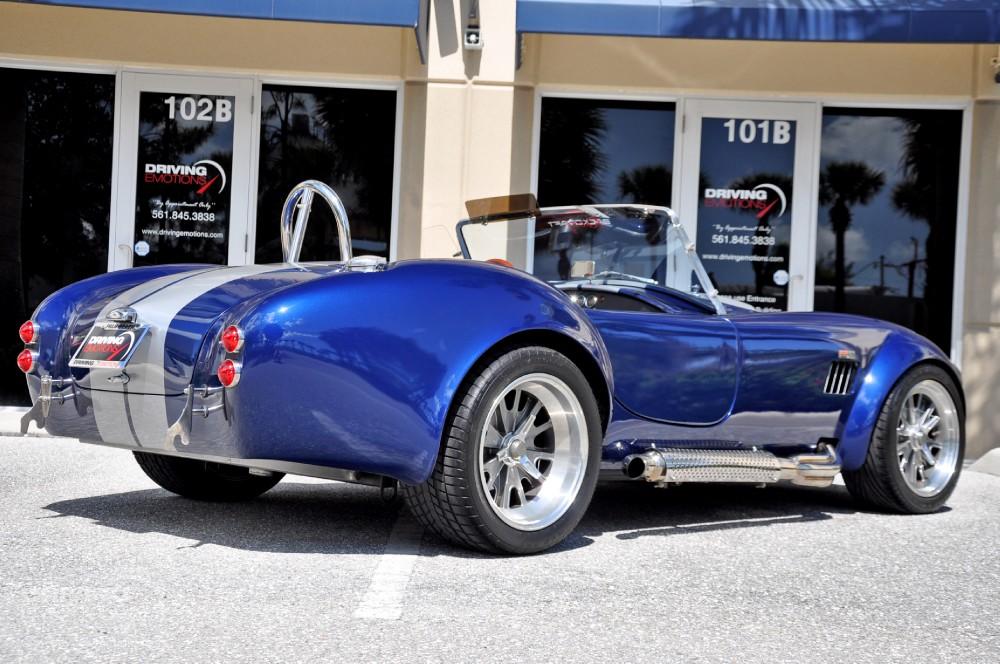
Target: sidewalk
[10,422]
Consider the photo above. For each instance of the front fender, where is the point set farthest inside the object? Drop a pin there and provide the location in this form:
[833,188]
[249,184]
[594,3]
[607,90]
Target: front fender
[900,351]
[358,370]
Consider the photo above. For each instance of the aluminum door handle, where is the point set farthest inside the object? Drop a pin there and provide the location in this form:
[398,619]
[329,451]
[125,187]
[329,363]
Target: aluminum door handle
[128,252]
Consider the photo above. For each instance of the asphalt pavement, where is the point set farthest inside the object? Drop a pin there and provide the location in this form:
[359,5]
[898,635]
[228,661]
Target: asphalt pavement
[99,564]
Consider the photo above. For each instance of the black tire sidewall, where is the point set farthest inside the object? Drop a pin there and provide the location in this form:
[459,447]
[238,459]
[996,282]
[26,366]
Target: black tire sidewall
[910,500]
[498,376]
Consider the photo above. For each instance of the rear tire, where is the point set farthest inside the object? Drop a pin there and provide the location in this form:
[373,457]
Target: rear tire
[917,447]
[520,457]
[203,480]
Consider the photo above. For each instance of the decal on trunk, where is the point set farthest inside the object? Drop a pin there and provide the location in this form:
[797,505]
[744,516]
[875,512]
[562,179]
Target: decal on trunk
[108,346]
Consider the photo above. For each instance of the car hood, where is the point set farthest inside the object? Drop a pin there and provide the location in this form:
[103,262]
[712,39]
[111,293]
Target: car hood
[859,332]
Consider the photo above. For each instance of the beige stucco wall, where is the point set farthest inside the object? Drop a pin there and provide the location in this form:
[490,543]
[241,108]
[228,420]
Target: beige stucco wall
[981,347]
[777,69]
[467,122]
[137,39]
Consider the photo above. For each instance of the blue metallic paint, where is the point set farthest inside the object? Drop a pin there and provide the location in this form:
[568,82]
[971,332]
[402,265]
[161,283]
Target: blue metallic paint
[676,368]
[358,370]
[75,307]
[900,352]
[366,365]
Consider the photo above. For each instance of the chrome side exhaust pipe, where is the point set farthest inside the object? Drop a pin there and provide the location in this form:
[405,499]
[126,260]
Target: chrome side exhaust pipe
[675,466]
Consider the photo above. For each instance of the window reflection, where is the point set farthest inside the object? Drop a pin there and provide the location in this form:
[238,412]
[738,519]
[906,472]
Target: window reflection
[888,203]
[56,133]
[605,151]
[343,137]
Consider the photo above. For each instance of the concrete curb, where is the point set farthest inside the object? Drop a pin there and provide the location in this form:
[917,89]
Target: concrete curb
[10,423]
[989,463]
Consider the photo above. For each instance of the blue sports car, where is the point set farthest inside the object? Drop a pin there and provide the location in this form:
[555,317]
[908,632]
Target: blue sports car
[570,345]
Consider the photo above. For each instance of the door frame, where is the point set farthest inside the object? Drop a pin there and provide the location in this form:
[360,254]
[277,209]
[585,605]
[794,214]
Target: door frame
[802,243]
[131,83]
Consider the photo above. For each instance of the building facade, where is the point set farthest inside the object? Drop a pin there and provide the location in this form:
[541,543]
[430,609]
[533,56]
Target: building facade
[832,162]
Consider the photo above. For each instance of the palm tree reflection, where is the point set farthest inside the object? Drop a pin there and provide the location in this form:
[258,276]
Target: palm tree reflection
[842,185]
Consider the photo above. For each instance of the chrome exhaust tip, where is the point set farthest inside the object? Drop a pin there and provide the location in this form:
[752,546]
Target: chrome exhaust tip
[634,466]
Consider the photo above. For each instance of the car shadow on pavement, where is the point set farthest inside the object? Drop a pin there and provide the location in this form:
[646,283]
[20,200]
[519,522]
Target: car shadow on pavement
[327,517]
[341,518]
[634,510]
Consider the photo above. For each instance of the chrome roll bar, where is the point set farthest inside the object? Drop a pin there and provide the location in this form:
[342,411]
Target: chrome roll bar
[299,205]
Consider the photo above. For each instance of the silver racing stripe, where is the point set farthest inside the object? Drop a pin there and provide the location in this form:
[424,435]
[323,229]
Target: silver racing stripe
[109,407]
[146,415]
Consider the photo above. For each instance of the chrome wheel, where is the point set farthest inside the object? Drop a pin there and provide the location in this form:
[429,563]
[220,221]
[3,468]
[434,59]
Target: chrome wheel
[533,451]
[928,438]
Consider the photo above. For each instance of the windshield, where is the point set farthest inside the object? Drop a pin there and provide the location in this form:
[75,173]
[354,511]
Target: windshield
[593,243]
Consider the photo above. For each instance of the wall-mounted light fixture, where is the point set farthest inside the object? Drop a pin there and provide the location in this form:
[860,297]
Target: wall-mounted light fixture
[472,39]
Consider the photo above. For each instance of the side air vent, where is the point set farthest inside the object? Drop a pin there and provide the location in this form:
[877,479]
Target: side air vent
[840,377]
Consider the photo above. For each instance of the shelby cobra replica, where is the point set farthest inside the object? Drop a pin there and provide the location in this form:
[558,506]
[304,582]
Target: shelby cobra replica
[495,395]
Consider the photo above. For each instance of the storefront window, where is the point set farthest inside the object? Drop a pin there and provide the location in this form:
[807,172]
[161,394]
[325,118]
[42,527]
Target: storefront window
[56,136]
[887,208]
[343,137]
[605,151]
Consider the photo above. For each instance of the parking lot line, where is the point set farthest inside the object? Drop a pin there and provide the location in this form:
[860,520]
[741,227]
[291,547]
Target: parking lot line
[384,598]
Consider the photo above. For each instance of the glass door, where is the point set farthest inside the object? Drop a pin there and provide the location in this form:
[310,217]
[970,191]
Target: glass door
[183,172]
[748,196]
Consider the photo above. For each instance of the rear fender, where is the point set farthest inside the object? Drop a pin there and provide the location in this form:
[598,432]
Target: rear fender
[359,370]
[900,351]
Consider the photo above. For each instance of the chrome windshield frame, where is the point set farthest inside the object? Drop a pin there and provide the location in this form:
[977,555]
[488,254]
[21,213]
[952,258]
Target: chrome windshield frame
[689,248]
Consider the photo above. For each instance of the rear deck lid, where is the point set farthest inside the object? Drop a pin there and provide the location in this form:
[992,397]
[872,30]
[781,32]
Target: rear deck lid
[147,339]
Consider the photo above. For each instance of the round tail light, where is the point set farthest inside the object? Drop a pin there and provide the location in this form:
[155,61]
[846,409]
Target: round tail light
[228,373]
[232,339]
[26,360]
[27,332]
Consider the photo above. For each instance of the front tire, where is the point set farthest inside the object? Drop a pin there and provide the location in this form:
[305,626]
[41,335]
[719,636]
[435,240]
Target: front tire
[203,480]
[520,457]
[917,447]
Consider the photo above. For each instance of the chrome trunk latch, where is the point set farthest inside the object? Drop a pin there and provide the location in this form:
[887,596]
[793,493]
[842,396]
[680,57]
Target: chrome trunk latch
[123,315]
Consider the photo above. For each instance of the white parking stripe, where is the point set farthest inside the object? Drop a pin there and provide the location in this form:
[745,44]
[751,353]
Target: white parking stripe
[384,598]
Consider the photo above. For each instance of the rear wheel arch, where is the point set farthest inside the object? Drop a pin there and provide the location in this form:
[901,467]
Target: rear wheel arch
[561,343]
[457,501]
